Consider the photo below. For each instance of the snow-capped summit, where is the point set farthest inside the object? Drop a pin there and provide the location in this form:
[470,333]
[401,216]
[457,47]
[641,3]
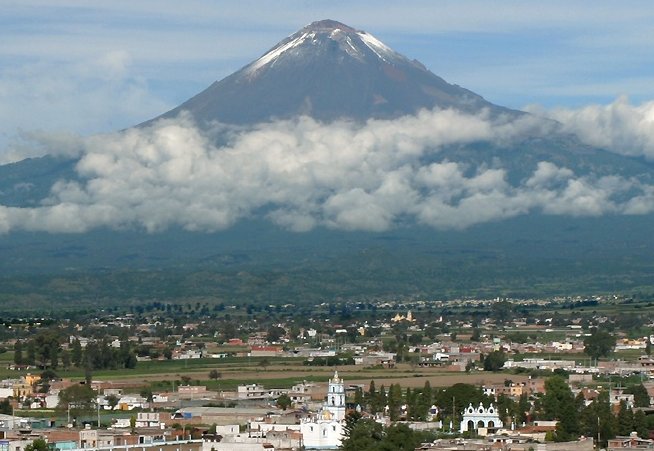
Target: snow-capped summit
[357,44]
[328,70]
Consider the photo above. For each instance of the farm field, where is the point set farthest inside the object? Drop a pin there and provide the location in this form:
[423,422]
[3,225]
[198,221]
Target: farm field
[285,374]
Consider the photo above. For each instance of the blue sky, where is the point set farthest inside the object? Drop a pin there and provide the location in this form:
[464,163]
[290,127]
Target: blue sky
[74,66]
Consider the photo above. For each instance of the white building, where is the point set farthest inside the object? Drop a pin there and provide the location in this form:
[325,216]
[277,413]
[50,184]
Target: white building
[6,392]
[325,430]
[251,391]
[480,419]
[336,398]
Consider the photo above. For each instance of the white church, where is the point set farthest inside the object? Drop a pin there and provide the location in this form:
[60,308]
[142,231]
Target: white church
[325,429]
[480,420]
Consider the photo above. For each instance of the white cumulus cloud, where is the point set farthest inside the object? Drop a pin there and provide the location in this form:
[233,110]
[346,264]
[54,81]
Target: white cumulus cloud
[619,127]
[302,174]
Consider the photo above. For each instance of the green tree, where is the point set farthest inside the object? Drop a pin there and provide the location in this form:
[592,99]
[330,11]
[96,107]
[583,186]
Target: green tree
[228,331]
[625,419]
[502,311]
[641,397]
[88,374]
[5,407]
[284,401]
[49,375]
[424,402]
[494,361]
[147,394]
[411,401]
[31,353]
[506,408]
[359,397]
[394,401]
[65,359]
[557,392]
[275,333]
[76,353]
[415,339]
[47,347]
[399,437]
[214,374]
[599,343]
[18,352]
[131,360]
[559,404]
[365,435]
[371,398]
[523,409]
[640,424]
[112,401]
[351,420]
[568,426]
[38,444]
[596,418]
[382,398]
[79,398]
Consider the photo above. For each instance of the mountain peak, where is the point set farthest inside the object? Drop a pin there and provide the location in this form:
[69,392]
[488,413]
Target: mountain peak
[327,37]
[329,71]
[328,25]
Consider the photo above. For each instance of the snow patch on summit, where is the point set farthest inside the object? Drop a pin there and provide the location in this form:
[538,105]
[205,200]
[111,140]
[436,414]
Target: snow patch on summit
[381,50]
[276,52]
[346,40]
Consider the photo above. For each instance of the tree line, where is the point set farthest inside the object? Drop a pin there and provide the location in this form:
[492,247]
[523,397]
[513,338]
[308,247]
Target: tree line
[49,349]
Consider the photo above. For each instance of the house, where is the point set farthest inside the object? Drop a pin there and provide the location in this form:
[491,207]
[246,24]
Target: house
[151,419]
[630,442]
[251,391]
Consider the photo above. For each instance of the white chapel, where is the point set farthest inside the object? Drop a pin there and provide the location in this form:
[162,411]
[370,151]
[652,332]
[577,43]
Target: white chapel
[480,419]
[325,430]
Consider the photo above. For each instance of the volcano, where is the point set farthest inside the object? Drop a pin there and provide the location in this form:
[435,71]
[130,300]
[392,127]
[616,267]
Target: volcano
[336,76]
[329,71]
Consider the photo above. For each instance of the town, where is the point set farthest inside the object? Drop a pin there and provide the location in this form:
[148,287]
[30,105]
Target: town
[519,374]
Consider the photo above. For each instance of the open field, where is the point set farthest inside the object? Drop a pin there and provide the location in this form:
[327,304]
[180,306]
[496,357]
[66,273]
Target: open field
[285,374]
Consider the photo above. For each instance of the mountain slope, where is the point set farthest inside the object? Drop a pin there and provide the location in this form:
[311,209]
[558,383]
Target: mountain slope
[27,182]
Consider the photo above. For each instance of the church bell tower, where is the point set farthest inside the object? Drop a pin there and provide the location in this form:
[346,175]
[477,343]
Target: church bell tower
[335,402]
